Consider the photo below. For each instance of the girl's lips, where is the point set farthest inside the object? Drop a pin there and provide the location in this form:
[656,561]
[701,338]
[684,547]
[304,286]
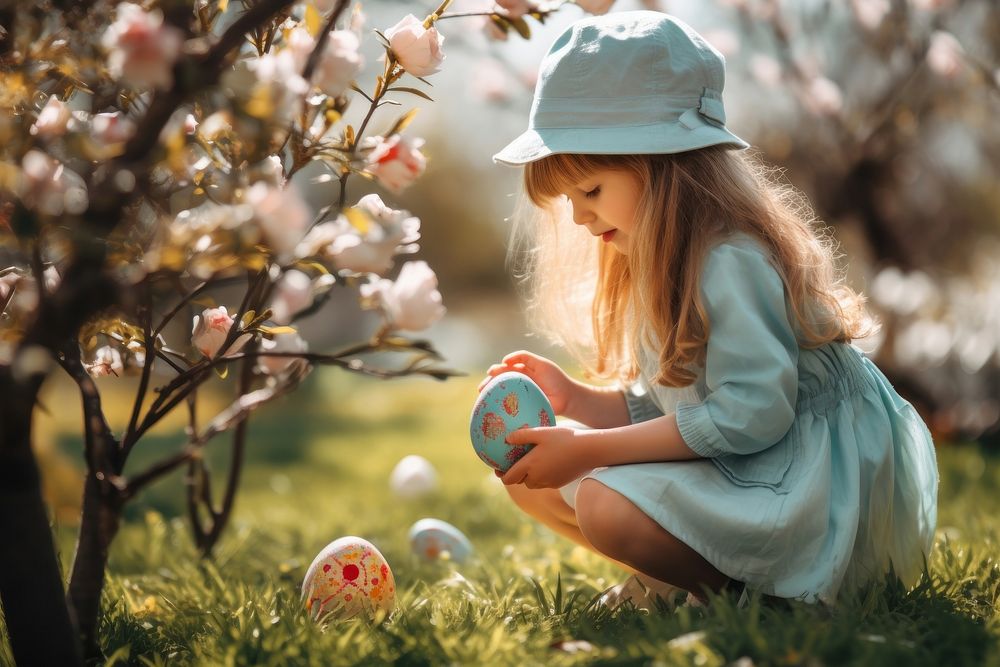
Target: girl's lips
[608,235]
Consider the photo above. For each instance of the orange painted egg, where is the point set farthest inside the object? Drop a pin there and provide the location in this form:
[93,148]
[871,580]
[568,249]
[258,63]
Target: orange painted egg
[347,578]
[508,402]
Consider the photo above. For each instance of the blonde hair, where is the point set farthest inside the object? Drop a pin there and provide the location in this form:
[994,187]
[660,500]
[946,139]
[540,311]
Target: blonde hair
[586,296]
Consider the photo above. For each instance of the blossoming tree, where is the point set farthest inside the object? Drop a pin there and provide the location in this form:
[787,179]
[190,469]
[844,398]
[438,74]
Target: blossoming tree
[148,158]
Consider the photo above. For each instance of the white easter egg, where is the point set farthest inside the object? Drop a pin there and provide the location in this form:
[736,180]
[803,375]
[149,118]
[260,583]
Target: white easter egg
[348,577]
[413,476]
[431,538]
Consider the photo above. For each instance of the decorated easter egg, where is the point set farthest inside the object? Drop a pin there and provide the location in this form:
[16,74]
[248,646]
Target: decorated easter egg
[431,539]
[508,402]
[347,578]
[413,476]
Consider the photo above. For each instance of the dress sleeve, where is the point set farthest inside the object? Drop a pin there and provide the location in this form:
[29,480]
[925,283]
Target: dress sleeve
[751,373]
[640,406]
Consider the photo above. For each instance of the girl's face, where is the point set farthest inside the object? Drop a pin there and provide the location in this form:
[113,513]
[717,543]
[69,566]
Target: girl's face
[605,203]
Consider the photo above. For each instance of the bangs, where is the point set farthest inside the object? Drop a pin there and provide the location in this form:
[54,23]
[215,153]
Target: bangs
[548,178]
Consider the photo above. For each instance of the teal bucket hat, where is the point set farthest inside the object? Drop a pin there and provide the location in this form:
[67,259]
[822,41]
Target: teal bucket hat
[625,83]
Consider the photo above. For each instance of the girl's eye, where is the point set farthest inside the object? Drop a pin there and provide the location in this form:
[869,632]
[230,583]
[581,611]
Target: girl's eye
[593,193]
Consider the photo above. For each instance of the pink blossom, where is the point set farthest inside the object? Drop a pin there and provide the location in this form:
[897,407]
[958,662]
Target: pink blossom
[291,342]
[417,49]
[8,282]
[47,185]
[766,70]
[944,55]
[388,232]
[491,82]
[142,50]
[53,119]
[293,293]
[112,128]
[595,6]
[515,8]
[281,213]
[412,302]
[397,161]
[340,62]
[210,329]
[323,6]
[870,13]
[823,97]
[725,41]
[300,44]
[107,361]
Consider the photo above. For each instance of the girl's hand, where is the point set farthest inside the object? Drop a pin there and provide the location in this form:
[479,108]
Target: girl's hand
[555,461]
[558,387]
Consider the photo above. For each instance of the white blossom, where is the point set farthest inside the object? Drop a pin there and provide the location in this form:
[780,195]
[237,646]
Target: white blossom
[412,302]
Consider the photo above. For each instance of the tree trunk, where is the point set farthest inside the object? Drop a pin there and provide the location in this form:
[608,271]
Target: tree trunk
[102,512]
[31,586]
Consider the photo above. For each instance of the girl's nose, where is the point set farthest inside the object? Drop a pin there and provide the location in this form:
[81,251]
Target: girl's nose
[581,215]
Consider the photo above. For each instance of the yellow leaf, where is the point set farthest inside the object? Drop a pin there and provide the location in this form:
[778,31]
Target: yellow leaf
[316,266]
[358,219]
[403,122]
[223,5]
[274,331]
[314,21]
[260,105]
[247,318]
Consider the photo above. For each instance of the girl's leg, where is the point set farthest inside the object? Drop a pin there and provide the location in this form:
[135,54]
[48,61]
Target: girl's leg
[622,532]
[548,506]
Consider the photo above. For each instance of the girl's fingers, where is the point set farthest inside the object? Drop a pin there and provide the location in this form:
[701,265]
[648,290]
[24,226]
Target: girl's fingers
[521,357]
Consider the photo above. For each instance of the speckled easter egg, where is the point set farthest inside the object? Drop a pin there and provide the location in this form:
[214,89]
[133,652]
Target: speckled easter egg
[508,402]
[431,538]
[349,577]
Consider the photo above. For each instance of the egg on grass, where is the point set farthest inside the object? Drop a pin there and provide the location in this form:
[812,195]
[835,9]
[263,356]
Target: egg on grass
[413,477]
[348,578]
[433,539]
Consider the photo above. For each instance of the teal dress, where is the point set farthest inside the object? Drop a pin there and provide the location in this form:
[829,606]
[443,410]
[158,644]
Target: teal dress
[816,475]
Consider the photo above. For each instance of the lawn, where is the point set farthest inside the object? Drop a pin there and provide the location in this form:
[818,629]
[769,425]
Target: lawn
[318,469]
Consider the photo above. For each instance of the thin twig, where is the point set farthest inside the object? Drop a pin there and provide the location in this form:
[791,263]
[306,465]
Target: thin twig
[184,301]
[317,52]
[147,367]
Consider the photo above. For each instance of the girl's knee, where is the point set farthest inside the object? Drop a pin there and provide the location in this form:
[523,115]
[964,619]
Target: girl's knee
[538,502]
[604,517]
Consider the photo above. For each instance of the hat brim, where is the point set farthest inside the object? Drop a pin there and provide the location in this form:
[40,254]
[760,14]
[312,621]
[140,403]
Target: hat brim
[535,144]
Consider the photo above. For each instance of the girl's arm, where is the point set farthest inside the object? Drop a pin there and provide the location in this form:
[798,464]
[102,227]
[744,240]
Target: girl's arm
[598,407]
[562,454]
[646,442]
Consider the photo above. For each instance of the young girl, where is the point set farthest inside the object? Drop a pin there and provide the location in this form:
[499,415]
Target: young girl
[761,450]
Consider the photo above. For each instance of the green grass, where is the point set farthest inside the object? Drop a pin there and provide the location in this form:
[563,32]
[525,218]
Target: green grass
[318,470]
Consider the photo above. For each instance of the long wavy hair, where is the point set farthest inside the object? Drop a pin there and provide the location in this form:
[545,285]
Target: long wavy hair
[586,296]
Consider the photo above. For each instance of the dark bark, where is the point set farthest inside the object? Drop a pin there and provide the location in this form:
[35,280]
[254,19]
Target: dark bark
[31,586]
[102,511]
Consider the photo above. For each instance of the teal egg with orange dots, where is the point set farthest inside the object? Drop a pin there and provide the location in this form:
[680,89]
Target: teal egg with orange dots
[434,539]
[508,402]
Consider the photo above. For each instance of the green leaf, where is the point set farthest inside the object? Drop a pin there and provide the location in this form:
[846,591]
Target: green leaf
[356,89]
[415,91]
